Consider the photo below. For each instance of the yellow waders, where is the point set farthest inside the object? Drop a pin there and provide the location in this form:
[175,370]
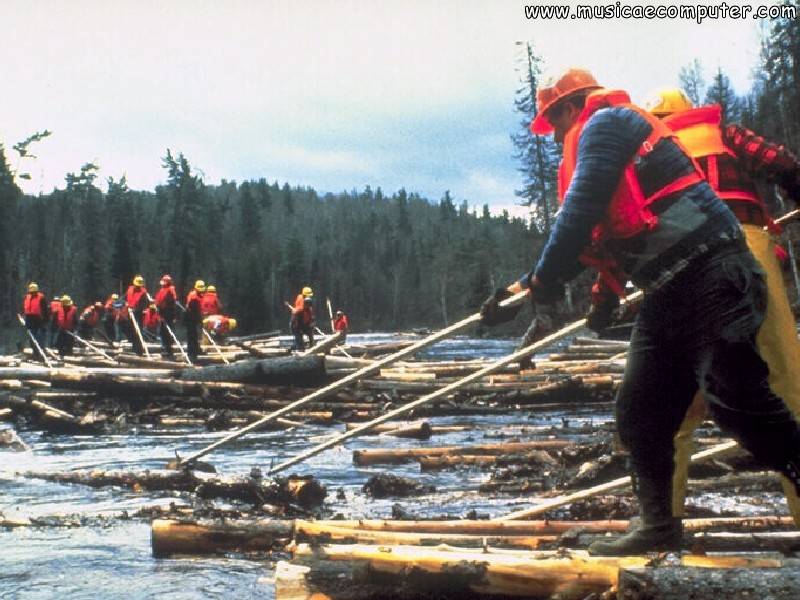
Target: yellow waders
[778,345]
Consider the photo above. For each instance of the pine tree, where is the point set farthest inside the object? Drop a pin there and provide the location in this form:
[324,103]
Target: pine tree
[539,156]
[692,81]
[720,92]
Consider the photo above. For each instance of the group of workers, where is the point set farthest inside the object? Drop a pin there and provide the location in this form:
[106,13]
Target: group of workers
[666,198]
[136,315]
[302,321]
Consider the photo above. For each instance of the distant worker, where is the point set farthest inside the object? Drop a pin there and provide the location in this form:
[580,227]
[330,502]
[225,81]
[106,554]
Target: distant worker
[731,158]
[303,318]
[89,319]
[55,306]
[66,321]
[110,317]
[218,326]
[193,318]
[136,302]
[166,300]
[36,312]
[211,304]
[341,323]
[151,322]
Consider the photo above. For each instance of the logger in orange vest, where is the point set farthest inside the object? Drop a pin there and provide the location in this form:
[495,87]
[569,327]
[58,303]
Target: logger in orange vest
[636,206]
[89,319]
[55,306]
[35,311]
[210,305]
[166,300]
[66,321]
[302,322]
[110,318]
[193,318]
[341,323]
[218,326]
[136,299]
[151,322]
[732,157]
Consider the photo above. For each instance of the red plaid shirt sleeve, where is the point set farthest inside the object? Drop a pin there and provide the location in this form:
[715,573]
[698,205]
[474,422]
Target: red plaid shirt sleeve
[765,160]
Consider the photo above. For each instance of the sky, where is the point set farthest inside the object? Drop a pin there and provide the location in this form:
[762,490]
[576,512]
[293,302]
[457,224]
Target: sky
[331,95]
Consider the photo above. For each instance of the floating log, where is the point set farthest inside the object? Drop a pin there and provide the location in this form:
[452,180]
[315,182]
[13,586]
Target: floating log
[302,491]
[682,582]
[169,537]
[436,463]
[461,573]
[393,456]
[386,485]
[6,414]
[785,542]
[299,370]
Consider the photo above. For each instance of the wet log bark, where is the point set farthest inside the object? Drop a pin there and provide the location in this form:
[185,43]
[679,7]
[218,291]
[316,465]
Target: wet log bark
[297,370]
[389,456]
[302,491]
[785,542]
[169,538]
[679,583]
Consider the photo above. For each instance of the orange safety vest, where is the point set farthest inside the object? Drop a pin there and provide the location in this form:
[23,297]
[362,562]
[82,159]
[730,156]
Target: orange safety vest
[628,213]
[151,319]
[133,296]
[90,316]
[341,323]
[33,305]
[699,130]
[210,305]
[163,297]
[65,319]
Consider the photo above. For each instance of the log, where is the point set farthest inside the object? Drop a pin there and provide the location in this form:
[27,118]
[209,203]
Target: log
[460,573]
[324,345]
[170,538]
[298,370]
[393,456]
[784,542]
[680,583]
[6,414]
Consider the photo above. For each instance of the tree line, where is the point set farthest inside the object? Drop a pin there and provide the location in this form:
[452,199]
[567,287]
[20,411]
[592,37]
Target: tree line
[389,261]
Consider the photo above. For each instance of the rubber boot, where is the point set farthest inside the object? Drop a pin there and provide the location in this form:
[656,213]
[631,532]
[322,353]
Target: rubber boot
[658,531]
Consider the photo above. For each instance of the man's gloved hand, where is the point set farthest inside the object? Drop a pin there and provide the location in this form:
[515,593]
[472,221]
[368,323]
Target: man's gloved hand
[493,314]
[602,314]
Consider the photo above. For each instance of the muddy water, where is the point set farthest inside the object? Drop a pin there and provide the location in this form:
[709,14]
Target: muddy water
[109,557]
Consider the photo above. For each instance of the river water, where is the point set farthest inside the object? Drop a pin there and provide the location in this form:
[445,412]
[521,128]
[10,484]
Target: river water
[110,557]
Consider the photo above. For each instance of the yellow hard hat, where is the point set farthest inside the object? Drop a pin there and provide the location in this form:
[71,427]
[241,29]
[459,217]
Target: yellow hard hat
[138,281]
[115,296]
[33,286]
[307,291]
[666,101]
[66,300]
[556,88]
[211,288]
[231,323]
[200,285]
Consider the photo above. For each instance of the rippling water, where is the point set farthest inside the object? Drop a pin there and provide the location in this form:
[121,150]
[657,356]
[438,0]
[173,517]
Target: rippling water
[113,559]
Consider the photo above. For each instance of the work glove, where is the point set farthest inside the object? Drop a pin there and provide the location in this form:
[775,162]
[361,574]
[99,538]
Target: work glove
[602,313]
[544,294]
[493,314]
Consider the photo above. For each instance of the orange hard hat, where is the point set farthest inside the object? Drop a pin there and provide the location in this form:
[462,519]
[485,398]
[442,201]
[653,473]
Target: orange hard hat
[554,89]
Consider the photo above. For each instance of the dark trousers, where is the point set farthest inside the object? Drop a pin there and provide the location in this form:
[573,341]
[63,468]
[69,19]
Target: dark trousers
[192,341]
[298,330]
[698,332]
[133,337]
[64,343]
[37,329]
[166,338]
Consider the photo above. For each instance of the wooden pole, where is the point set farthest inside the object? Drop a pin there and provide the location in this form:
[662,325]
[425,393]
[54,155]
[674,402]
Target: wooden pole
[90,345]
[213,343]
[353,377]
[604,487]
[330,311]
[33,339]
[138,331]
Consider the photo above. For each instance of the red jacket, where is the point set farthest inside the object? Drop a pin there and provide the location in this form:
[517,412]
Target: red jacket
[35,305]
[136,298]
[217,324]
[90,316]
[67,317]
[193,302]
[151,319]
[210,304]
[166,298]
[341,324]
